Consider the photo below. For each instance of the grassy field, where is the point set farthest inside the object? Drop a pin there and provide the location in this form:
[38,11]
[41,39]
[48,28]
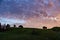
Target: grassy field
[29,34]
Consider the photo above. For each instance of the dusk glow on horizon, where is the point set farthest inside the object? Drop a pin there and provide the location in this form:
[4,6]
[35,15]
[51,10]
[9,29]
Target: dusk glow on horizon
[30,13]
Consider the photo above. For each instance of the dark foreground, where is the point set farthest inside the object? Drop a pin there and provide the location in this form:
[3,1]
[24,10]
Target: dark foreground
[29,34]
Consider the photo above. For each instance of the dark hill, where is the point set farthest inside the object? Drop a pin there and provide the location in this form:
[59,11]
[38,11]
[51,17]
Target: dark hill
[29,34]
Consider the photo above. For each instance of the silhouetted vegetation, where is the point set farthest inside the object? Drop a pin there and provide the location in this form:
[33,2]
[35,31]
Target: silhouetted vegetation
[57,29]
[13,33]
[8,26]
[0,26]
[26,34]
[44,27]
[14,26]
[20,26]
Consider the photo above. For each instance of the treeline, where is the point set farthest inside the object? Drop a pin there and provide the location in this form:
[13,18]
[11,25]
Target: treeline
[8,27]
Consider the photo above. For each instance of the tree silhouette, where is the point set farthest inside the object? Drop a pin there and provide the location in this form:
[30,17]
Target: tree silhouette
[44,27]
[7,26]
[20,26]
[0,25]
[4,28]
[14,26]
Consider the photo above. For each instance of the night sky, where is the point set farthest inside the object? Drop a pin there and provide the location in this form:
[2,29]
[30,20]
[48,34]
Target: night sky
[30,13]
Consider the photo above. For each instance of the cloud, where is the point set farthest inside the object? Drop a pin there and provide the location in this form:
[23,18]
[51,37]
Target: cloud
[30,10]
